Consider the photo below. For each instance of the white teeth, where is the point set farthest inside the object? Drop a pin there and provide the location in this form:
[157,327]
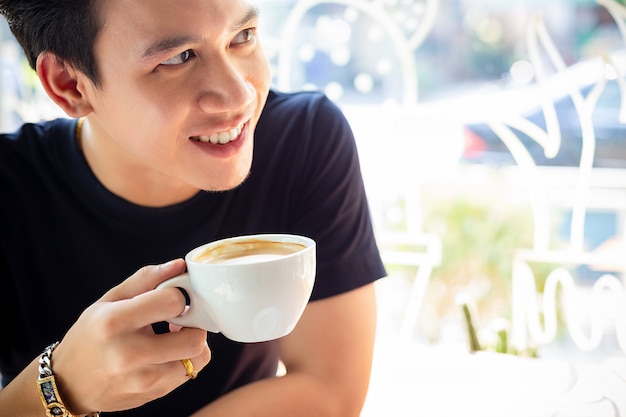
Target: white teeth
[222,137]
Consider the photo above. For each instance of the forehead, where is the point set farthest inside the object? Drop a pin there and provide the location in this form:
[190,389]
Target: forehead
[138,24]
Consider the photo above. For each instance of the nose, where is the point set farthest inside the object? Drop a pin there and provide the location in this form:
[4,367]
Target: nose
[224,88]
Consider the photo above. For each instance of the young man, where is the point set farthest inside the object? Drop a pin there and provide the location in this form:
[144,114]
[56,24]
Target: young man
[175,140]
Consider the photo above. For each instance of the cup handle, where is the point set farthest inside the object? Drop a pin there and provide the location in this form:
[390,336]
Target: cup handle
[195,315]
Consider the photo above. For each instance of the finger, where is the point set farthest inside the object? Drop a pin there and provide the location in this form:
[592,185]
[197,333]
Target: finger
[145,309]
[147,350]
[198,363]
[174,327]
[145,279]
[188,343]
[174,373]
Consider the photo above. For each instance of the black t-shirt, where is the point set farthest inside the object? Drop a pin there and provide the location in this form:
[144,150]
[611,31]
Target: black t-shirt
[65,239]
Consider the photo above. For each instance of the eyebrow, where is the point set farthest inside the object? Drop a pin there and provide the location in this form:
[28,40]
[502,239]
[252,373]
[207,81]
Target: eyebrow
[165,44]
[173,42]
[253,13]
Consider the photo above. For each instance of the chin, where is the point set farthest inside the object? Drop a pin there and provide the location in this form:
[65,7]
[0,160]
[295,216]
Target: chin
[226,184]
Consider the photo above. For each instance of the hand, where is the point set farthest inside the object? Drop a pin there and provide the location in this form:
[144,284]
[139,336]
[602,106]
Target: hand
[111,360]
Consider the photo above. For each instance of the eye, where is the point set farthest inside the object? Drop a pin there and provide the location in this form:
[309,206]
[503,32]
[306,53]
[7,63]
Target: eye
[245,36]
[180,58]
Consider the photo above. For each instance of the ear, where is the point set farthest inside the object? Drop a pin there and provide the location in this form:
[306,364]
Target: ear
[63,85]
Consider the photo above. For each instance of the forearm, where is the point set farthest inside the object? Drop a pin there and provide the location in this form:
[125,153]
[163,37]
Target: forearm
[20,398]
[328,358]
[293,395]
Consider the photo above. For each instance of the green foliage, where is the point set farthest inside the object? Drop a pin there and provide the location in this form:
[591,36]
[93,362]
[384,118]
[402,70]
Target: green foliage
[478,242]
[480,234]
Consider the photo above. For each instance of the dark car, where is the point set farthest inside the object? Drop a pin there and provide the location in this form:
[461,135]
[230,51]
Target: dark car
[482,144]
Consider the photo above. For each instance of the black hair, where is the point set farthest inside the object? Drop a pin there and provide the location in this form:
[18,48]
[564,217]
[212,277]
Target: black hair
[66,28]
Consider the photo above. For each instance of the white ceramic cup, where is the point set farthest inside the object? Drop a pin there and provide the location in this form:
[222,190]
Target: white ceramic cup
[249,288]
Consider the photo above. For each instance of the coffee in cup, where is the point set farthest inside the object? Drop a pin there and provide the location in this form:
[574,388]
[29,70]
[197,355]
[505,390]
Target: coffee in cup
[250,250]
[249,288]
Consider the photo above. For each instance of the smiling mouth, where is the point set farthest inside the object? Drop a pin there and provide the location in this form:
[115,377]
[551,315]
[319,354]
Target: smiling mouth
[221,138]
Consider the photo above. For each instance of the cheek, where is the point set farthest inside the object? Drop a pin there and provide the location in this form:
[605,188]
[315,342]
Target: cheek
[139,122]
[154,110]
[260,73]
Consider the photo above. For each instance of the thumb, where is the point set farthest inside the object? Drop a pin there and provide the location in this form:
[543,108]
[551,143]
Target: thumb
[144,280]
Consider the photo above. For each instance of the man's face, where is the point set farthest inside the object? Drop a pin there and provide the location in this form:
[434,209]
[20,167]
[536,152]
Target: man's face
[183,86]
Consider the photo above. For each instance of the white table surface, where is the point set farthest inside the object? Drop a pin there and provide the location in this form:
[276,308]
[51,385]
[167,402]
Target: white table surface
[409,380]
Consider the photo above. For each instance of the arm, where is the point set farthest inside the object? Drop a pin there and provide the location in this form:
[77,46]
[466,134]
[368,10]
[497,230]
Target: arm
[328,358]
[110,359]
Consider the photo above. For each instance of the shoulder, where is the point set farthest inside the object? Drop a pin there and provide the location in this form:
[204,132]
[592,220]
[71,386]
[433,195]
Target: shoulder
[296,101]
[31,136]
[309,121]
[307,132]
[298,110]
[35,149]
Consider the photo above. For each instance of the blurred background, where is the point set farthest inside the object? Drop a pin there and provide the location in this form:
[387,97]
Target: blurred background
[490,132]
[492,140]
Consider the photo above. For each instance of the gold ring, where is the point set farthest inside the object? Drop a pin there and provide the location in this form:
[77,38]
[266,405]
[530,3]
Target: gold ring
[191,372]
